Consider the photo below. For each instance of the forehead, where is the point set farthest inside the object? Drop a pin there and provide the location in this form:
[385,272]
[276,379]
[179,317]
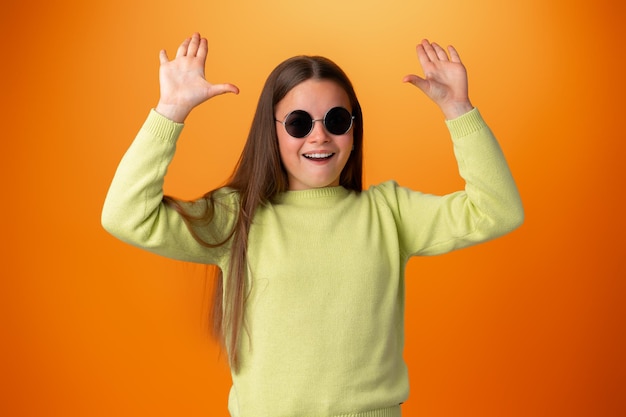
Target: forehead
[314,96]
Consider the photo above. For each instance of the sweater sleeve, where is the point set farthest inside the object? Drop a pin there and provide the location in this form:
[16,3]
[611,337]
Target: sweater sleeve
[134,210]
[488,207]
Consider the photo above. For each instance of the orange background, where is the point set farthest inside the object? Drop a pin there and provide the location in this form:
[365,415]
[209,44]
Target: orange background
[529,325]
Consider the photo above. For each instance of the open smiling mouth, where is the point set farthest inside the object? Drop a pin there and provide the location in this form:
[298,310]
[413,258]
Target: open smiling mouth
[318,156]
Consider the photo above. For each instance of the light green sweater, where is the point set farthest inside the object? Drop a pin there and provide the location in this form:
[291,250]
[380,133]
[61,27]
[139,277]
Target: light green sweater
[326,270]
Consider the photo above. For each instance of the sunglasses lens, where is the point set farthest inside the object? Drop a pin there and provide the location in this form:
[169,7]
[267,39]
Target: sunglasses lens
[298,123]
[338,121]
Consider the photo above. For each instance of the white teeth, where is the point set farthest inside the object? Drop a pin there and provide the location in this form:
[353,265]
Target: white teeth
[318,155]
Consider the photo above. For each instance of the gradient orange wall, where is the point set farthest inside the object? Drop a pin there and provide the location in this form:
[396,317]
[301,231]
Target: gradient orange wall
[528,325]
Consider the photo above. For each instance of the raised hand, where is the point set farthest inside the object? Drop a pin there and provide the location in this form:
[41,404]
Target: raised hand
[445,79]
[182,80]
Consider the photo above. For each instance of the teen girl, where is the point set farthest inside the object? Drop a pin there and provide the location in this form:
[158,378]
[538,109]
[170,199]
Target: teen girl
[310,294]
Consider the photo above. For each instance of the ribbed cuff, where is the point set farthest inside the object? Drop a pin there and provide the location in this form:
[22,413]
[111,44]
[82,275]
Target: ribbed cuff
[466,124]
[162,127]
[383,412]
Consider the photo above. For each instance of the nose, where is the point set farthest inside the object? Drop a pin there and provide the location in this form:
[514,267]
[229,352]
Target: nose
[318,133]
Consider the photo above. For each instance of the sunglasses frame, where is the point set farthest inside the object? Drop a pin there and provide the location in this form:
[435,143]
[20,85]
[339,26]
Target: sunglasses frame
[323,120]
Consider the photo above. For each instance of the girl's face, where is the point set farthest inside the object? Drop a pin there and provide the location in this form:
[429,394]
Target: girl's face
[316,160]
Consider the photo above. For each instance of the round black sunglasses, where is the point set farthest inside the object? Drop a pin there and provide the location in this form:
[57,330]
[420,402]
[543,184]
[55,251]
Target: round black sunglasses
[299,123]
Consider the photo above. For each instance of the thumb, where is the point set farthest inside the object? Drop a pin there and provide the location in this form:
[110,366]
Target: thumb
[163,57]
[417,81]
[218,89]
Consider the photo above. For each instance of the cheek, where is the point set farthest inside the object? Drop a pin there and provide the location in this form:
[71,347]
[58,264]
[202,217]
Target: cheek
[348,148]
[288,148]
[348,144]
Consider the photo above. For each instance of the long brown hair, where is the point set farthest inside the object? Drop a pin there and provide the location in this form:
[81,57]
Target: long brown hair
[258,178]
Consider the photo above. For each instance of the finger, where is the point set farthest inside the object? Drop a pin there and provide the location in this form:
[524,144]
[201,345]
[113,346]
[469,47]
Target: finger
[441,54]
[430,51]
[203,49]
[182,49]
[417,81]
[454,55]
[218,89]
[422,56]
[194,43]
[163,57]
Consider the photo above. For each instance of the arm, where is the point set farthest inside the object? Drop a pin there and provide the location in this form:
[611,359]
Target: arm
[134,210]
[490,205]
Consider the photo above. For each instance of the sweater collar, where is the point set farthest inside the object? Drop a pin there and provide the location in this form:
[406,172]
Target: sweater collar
[313,193]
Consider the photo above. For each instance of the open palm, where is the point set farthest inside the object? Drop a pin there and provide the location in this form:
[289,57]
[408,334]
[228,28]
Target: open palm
[445,78]
[182,80]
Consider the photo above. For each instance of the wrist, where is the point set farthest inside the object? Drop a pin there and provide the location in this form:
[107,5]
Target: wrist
[173,112]
[456,109]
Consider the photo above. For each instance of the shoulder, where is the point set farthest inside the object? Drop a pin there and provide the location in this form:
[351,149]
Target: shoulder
[386,193]
[399,199]
[387,190]
[221,203]
[224,194]
[223,200]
